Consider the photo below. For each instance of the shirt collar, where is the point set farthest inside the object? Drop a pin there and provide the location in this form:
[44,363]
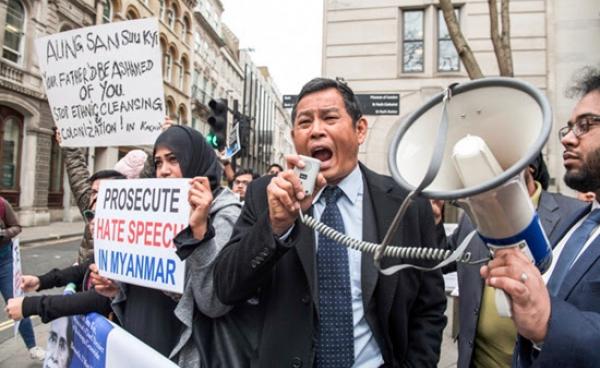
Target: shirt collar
[351,186]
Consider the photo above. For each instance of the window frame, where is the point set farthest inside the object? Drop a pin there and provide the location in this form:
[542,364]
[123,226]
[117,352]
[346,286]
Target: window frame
[440,18]
[411,41]
[21,48]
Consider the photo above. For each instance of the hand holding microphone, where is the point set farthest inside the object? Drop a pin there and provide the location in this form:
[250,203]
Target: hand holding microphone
[291,191]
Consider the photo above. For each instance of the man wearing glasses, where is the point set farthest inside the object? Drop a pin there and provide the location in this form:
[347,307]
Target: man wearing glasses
[557,315]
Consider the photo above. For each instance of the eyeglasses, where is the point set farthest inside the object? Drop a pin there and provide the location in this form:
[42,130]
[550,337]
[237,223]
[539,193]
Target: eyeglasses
[89,215]
[580,127]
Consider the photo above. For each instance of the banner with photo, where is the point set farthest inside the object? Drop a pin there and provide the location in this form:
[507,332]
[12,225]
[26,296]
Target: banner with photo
[92,341]
[104,83]
[134,226]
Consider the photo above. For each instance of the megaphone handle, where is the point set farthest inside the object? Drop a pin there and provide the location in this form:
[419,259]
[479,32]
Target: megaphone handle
[503,303]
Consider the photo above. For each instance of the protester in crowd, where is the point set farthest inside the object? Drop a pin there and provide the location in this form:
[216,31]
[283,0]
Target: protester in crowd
[274,169]
[9,228]
[131,165]
[149,314]
[485,339]
[86,300]
[242,178]
[557,315]
[322,304]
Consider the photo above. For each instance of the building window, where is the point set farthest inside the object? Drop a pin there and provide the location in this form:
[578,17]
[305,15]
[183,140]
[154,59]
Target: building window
[184,29]
[55,182]
[14,32]
[168,66]
[180,76]
[447,56]
[161,10]
[170,18]
[11,136]
[107,13]
[412,41]
[197,42]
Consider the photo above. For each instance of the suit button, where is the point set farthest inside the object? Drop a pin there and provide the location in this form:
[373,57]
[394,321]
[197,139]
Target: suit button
[296,362]
[305,299]
[476,311]
[471,343]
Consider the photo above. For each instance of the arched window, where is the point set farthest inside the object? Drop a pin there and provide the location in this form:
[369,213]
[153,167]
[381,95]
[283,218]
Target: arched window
[11,136]
[132,14]
[181,115]
[161,10]
[170,18]
[168,66]
[14,30]
[180,76]
[107,13]
[184,29]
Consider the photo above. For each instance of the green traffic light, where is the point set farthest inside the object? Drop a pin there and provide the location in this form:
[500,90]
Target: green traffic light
[211,138]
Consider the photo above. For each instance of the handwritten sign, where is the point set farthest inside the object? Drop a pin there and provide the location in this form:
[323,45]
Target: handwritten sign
[135,223]
[104,83]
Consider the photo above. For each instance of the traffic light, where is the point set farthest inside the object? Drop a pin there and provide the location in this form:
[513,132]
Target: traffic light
[217,137]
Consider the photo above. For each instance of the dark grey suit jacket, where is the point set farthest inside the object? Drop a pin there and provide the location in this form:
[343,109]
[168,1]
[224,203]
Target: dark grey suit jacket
[554,211]
[405,311]
[573,337]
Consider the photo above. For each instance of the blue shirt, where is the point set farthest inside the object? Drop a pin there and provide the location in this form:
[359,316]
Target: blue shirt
[366,350]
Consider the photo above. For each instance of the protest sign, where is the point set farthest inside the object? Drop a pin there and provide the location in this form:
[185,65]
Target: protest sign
[17,273]
[104,83]
[233,141]
[92,341]
[135,223]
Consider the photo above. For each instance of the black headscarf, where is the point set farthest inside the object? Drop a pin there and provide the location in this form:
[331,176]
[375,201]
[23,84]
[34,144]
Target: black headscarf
[195,156]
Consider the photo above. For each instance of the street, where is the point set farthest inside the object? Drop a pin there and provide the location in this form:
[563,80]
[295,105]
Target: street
[36,260]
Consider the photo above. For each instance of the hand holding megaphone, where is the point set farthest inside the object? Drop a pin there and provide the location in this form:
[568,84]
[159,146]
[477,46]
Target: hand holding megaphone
[504,216]
[513,272]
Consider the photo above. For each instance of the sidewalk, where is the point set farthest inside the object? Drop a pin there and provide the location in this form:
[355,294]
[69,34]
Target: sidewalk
[53,231]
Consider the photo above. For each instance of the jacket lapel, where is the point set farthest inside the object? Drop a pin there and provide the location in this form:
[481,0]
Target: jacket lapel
[369,274]
[549,216]
[306,253]
[579,269]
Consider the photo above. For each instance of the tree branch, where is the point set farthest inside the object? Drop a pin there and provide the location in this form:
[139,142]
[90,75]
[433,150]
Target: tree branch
[460,43]
[505,37]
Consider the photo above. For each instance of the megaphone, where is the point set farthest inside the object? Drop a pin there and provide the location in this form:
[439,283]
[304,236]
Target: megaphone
[495,128]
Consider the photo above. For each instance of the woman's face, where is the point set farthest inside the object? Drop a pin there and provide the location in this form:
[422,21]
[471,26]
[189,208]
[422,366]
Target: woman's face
[166,164]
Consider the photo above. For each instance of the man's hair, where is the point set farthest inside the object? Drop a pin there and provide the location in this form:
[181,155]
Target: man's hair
[586,80]
[244,172]
[320,84]
[106,174]
[274,165]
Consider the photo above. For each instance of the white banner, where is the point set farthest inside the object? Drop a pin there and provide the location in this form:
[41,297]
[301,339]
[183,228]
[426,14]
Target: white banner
[17,274]
[92,341]
[135,223]
[104,83]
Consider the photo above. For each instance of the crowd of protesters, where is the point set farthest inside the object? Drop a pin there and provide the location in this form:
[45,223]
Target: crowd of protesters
[264,290]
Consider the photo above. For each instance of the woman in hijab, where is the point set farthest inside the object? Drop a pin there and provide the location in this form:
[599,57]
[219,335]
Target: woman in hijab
[149,314]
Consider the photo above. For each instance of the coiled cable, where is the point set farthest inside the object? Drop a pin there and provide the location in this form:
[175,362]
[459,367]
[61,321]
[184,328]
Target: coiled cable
[421,253]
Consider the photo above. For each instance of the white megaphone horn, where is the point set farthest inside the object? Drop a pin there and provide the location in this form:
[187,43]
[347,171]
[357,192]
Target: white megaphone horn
[492,129]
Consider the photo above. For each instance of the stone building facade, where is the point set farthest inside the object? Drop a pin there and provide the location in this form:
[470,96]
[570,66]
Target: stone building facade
[402,46]
[201,60]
